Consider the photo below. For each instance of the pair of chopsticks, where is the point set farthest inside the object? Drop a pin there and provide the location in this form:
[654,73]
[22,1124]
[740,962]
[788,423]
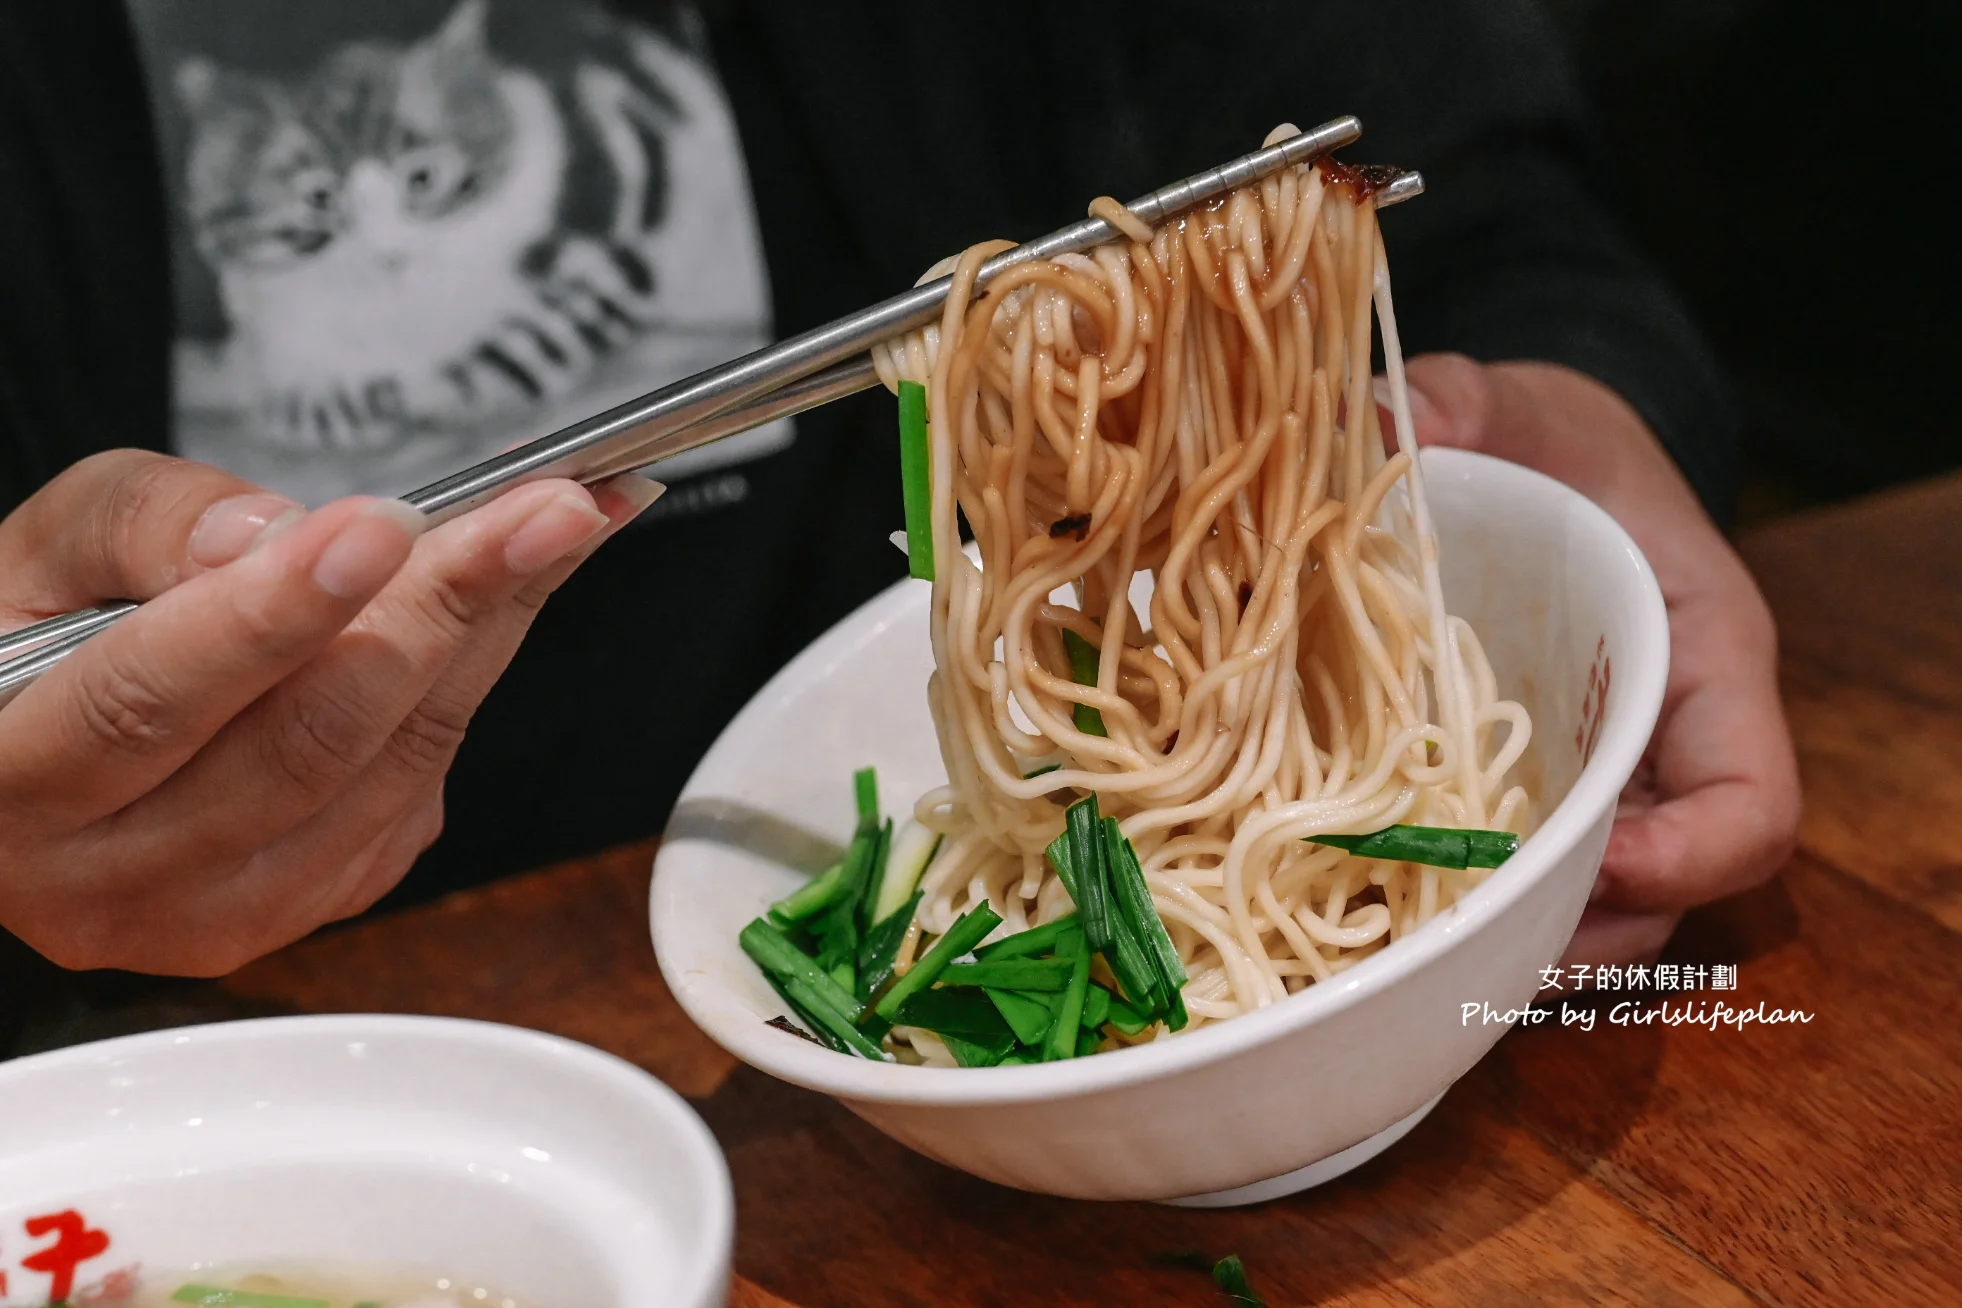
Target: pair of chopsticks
[787,378]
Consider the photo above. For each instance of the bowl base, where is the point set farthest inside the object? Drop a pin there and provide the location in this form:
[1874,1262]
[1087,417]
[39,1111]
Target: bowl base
[1306,1178]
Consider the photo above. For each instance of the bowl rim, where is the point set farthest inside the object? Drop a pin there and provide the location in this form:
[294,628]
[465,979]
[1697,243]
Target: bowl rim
[706,1187]
[1595,791]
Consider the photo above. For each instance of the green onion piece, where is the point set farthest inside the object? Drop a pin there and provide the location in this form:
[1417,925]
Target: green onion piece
[1042,772]
[1092,894]
[1059,858]
[1010,974]
[875,878]
[1083,671]
[1036,940]
[1125,945]
[814,896]
[1127,1019]
[915,479]
[774,953]
[1133,897]
[970,930]
[805,995]
[1018,1059]
[865,789]
[1491,848]
[1455,847]
[1087,1041]
[818,1027]
[880,948]
[911,853]
[1027,1014]
[1061,1041]
[1230,1275]
[210,1294]
[969,1054]
[966,1014]
[1096,1007]
[838,930]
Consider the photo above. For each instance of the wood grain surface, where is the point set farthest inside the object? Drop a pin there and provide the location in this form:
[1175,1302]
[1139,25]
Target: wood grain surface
[1804,1163]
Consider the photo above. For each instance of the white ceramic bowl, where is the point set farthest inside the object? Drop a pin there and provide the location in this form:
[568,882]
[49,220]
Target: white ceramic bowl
[542,1169]
[1264,1103]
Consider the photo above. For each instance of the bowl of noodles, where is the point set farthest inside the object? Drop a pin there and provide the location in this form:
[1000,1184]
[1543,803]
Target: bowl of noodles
[1221,802]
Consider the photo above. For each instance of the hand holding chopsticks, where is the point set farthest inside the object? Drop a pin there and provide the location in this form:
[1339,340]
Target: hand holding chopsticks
[794,375]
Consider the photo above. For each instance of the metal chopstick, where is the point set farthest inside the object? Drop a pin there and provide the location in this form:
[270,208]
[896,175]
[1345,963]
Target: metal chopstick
[779,381]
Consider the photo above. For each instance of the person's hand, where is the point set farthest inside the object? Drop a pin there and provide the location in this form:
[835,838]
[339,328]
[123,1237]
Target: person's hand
[260,748]
[1714,807]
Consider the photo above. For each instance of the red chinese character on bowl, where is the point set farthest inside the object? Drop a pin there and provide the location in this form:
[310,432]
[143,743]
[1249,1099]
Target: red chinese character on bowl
[1594,701]
[74,1244]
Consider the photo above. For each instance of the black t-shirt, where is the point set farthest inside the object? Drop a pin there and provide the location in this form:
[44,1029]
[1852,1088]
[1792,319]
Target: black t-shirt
[873,140]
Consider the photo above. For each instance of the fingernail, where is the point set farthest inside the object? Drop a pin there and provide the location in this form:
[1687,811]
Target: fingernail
[370,547]
[231,527]
[554,530]
[637,489]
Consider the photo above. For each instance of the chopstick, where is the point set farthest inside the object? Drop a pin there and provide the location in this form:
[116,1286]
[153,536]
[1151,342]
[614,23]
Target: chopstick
[778,381]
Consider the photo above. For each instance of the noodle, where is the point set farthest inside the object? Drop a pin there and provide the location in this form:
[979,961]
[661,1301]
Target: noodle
[1195,406]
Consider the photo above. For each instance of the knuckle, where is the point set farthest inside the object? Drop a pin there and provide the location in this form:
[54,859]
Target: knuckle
[448,608]
[123,706]
[267,634]
[140,485]
[324,741]
[428,738]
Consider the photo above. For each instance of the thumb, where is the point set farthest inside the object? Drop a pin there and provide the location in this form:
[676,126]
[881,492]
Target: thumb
[1451,402]
[128,524]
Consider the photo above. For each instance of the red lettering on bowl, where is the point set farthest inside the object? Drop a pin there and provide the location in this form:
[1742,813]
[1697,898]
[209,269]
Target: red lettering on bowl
[75,1243]
[1594,701]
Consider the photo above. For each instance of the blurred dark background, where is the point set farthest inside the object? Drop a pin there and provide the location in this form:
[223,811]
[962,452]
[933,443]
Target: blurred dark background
[1783,162]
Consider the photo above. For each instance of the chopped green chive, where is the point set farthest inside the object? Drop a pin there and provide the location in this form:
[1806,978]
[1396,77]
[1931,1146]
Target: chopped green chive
[1042,772]
[1230,1275]
[1083,671]
[1086,846]
[915,480]
[838,929]
[1061,1041]
[1010,974]
[1087,1041]
[969,1054]
[880,948]
[1036,940]
[1029,1015]
[1127,1019]
[1455,847]
[1096,1007]
[964,1014]
[1133,899]
[1059,858]
[815,1027]
[814,896]
[865,789]
[967,932]
[775,954]
[210,1294]
[832,1022]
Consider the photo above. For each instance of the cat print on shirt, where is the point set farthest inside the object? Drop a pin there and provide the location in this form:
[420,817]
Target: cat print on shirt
[424,250]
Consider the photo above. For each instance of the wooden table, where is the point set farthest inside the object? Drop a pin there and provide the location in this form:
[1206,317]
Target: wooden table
[1817,1163]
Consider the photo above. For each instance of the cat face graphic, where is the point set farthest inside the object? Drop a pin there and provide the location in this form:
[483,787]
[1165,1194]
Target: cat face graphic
[380,142]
